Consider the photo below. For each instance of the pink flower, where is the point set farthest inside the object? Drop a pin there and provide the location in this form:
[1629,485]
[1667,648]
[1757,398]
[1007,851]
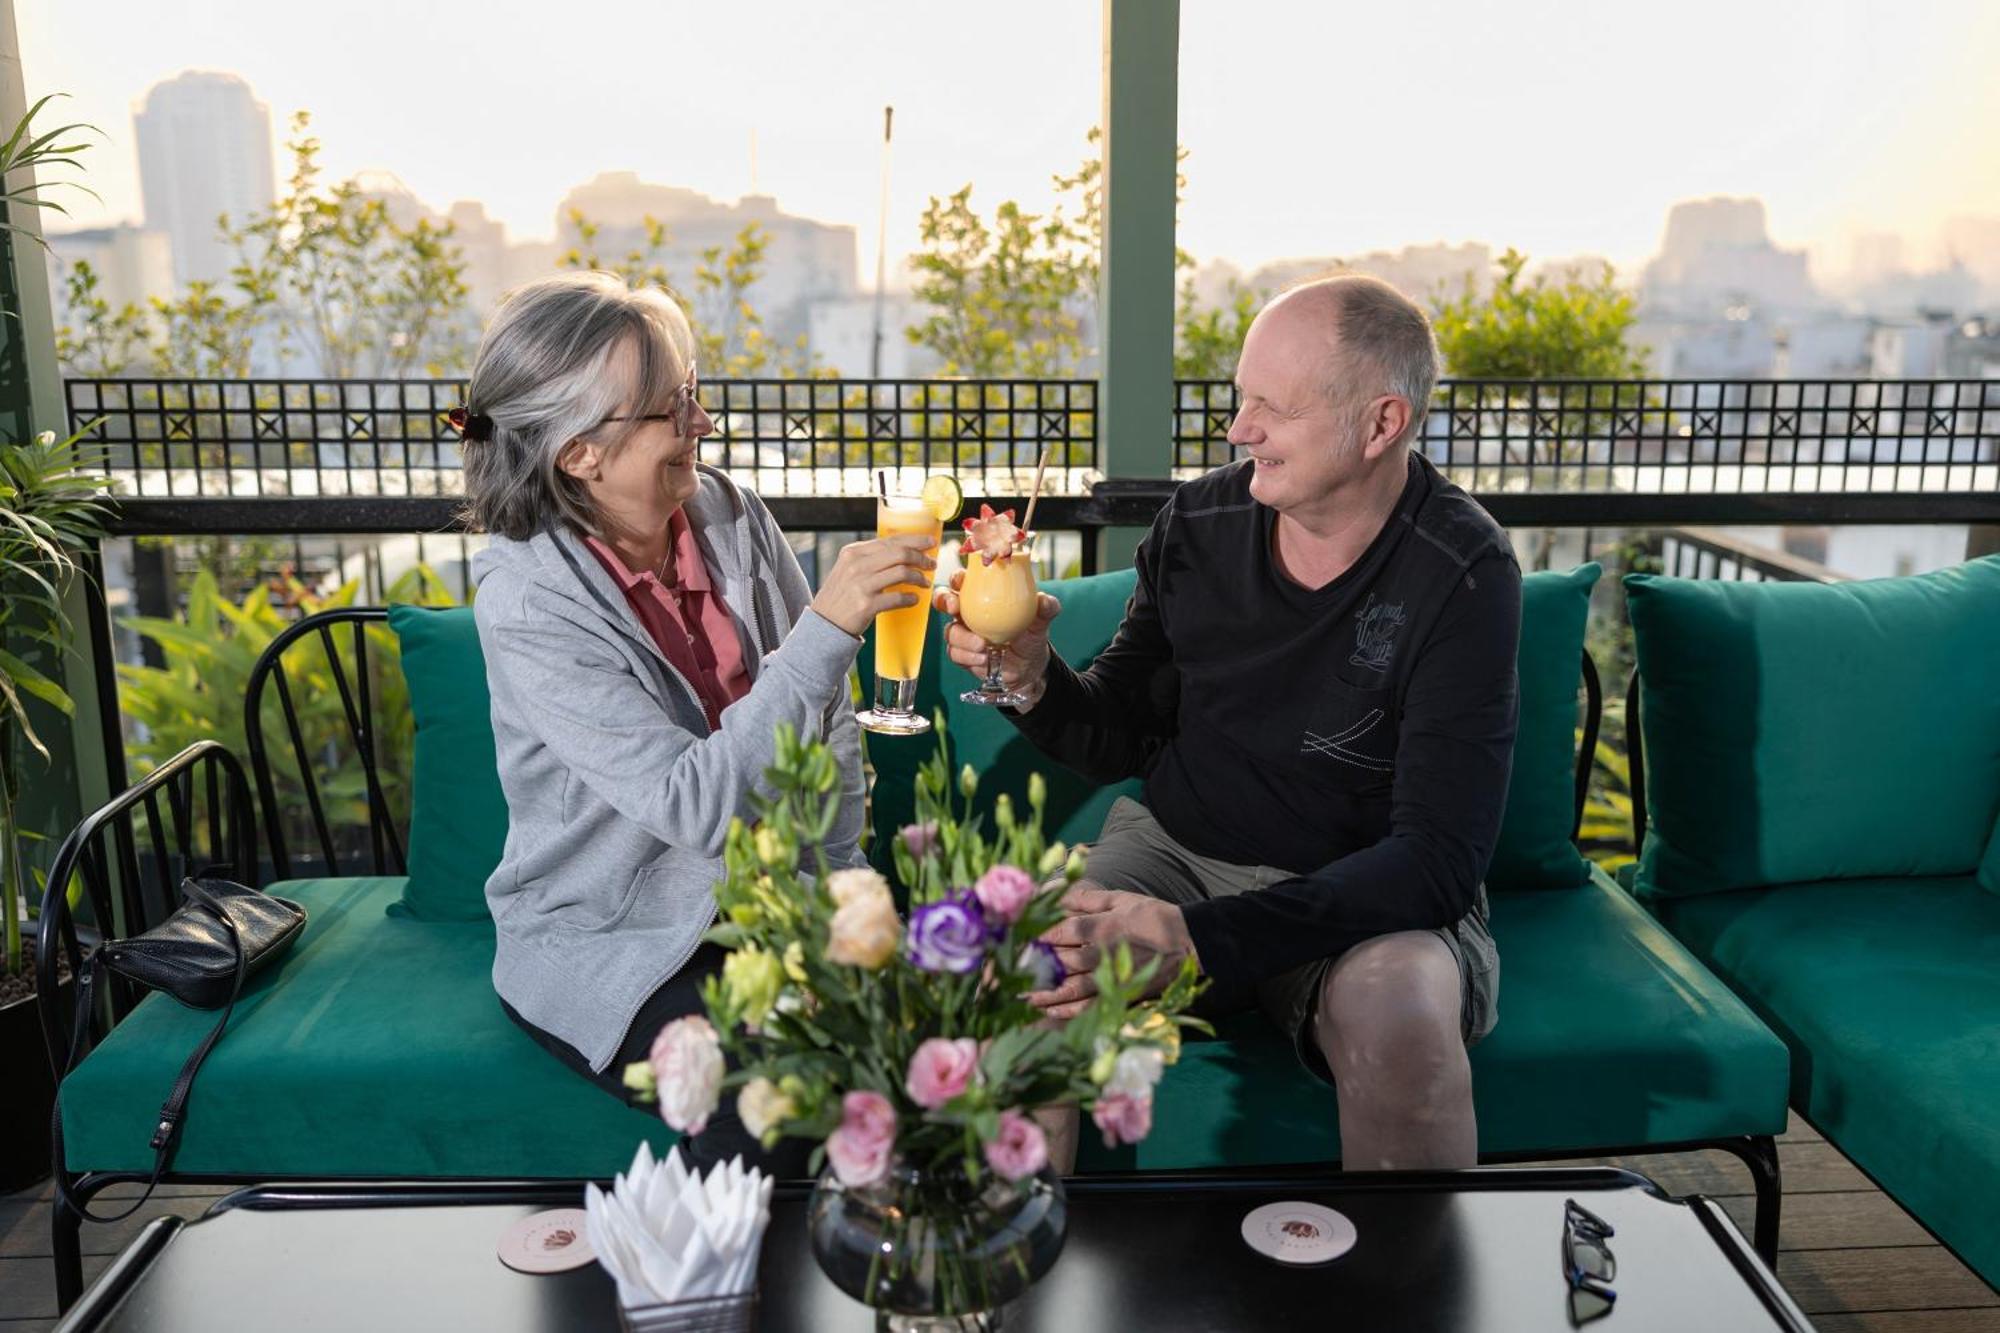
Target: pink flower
[1019,1150]
[688,1068]
[1124,1117]
[940,1070]
[919,838]
[859,1150]
[1003,891]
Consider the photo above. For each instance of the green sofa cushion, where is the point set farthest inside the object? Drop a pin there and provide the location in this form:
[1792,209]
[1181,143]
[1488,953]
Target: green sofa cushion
[1610,1036]
[374,1047]
[1535,850]
[1888,992]
[1801,731]
[458,815]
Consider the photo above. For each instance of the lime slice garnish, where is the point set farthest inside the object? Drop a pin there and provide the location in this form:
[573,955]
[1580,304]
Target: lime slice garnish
[942,497]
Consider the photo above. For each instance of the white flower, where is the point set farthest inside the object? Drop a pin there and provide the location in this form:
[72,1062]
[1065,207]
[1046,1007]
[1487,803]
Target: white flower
[687,1065]
[46,438]
[864,932]
[762,1106]
[1137,1070]
[849,886]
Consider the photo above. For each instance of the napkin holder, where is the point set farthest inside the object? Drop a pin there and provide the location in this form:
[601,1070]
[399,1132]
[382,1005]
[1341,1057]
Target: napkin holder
[703,1314]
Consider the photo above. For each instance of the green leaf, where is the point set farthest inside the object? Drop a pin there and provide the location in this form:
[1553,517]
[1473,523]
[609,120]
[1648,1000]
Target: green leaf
[25,677]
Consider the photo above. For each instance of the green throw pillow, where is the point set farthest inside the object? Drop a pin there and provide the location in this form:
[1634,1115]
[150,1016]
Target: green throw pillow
[1535,850]
[1989,864]
[1806,731]
[458,817]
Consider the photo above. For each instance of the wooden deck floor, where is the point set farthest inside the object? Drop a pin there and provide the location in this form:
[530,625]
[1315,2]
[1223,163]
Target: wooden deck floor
[1852,1259]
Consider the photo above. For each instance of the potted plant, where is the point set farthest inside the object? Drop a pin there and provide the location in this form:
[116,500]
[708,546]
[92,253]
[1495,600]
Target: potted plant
[907,1048]
[51,511]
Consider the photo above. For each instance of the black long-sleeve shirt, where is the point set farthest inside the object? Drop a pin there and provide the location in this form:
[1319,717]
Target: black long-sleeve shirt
[1359,735]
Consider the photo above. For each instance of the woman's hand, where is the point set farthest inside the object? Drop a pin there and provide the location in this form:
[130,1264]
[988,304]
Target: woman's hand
[1023,662]
[870,577]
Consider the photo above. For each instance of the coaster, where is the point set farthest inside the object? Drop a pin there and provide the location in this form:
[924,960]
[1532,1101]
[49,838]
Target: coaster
[1298,1233]
[548,1242]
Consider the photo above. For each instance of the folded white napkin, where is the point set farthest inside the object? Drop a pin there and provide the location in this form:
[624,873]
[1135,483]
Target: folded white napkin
[667,1234]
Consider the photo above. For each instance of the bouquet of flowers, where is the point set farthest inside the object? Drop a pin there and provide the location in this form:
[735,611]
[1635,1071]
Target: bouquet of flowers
[907,1042]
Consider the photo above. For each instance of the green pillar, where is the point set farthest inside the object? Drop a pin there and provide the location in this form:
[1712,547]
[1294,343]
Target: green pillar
[31,401]
[1136,295]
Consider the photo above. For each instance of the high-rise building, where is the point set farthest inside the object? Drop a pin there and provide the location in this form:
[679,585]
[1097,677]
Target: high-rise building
[1718,258]
[1421,272]
[1877,257]
[483,242]
[204,151]
[1975,243]
[132,264]
[804,260]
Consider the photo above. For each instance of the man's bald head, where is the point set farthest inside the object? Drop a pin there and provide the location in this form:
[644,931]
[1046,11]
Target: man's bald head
[1375,341]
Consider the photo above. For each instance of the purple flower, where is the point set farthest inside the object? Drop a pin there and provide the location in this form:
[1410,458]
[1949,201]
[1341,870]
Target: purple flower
[919,838]
[1039,961]
[949,935]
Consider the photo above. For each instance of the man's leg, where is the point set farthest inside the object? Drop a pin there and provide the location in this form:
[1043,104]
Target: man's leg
[1390,1023]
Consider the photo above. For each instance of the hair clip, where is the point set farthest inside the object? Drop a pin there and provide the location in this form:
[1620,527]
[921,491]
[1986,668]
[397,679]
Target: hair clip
[473,427]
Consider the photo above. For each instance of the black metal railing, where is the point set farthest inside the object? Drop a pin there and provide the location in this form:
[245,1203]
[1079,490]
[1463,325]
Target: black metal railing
[1718,555]
[190,438]
[1538,452]
[1677,436]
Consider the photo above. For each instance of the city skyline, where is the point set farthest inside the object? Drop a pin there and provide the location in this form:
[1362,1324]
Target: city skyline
[1836,171]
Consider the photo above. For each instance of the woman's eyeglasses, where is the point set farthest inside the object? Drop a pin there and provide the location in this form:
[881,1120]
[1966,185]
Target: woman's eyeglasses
[681,414]
[1587,1263]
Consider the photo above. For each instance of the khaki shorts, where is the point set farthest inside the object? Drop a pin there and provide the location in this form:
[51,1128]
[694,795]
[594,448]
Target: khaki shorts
[1134,853]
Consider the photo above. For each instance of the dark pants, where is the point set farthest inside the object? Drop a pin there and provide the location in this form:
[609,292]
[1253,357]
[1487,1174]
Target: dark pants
[724,1136]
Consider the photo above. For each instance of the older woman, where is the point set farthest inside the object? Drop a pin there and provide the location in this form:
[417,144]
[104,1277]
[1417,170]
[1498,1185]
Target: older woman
[646,630]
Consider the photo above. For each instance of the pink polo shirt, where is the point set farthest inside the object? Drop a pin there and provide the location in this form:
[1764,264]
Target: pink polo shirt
[686,617]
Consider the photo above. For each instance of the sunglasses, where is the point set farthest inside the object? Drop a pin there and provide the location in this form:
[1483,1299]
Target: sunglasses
[681,414]
[1588,1263]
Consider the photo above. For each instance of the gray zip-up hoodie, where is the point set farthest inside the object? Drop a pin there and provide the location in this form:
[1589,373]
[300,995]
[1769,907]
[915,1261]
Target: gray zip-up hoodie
[618,794]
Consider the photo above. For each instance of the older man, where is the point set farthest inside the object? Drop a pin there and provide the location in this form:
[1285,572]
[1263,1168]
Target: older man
[1315,676]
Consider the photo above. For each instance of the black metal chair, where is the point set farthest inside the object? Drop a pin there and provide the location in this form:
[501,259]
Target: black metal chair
[205,792]
[1586,750]
[385,854]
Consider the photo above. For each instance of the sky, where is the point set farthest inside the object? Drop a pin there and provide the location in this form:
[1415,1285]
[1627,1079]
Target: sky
[1561,127]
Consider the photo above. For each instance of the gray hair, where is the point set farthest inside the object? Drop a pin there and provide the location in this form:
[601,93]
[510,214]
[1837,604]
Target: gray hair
[542,376]
[1384,339]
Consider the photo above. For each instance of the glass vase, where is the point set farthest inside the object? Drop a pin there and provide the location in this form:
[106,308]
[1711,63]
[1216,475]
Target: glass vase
[933,1251]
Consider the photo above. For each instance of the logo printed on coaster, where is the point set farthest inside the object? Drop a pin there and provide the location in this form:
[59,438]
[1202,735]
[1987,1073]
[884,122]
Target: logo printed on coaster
[547,1242]
[1298,1233]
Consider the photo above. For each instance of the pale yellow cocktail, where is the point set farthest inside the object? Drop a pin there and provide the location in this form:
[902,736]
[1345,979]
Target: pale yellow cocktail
[997,600]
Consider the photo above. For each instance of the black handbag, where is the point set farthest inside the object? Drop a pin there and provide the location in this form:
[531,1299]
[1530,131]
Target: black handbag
[200,955]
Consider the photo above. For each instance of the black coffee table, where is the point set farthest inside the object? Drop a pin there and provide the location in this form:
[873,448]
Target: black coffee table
[1437,1250]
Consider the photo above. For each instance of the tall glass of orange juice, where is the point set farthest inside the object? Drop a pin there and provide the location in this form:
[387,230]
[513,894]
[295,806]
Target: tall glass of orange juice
[899,634]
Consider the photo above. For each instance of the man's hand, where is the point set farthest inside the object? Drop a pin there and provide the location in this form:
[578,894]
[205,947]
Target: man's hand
[1023,662]
[1099,920]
